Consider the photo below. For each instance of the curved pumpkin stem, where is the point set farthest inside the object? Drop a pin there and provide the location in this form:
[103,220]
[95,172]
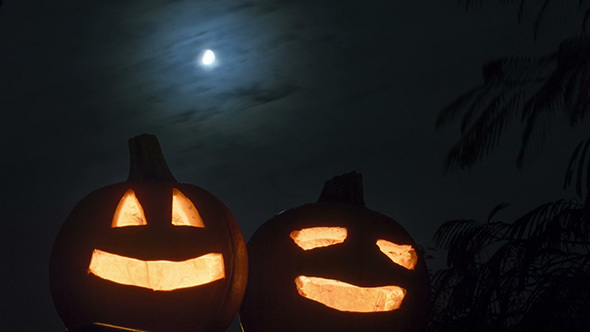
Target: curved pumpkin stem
[344,189]
[147,162]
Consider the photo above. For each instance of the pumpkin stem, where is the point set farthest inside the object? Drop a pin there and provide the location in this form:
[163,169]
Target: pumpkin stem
[147,162]
[344,189]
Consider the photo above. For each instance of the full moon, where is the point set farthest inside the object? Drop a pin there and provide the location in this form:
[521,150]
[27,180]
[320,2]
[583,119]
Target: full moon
[208,58]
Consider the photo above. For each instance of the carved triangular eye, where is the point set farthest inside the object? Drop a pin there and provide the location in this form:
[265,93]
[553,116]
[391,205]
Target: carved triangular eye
[184,212]
[129,212]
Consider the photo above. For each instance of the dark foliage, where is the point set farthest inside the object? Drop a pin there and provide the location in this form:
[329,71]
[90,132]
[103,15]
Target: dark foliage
[578,171]
[529,275]
[537,10]
[534,90]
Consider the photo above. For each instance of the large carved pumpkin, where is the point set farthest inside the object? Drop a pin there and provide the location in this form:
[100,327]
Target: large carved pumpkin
[149,254]
[335,266]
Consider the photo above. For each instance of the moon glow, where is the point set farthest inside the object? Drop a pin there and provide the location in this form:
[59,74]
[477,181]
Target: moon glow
[208,58]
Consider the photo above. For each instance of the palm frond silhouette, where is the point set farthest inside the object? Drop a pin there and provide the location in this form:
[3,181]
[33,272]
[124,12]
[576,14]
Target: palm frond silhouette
[535,90]
[578,171]
[538,10]
[529,275]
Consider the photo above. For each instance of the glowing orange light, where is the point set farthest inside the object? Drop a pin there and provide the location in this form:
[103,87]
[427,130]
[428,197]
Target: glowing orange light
[157,275]
[129,212]
[401,254]
[118,327]
[346,297]
[316,237]
[184,212]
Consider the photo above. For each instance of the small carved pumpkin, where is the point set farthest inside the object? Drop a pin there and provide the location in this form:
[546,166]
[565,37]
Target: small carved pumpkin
[335,266]
[149,254]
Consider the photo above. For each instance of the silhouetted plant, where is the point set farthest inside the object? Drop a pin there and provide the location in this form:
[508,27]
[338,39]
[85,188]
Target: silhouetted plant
[578,171]
[532,89]
[532,274]
[529,275]
[539,9]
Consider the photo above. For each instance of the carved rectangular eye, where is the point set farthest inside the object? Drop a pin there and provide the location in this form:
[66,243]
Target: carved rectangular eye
[316,237]
[184,212]
[129,212]
[401,254]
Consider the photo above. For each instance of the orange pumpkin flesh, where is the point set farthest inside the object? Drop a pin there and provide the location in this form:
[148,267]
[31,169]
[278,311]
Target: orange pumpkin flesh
[343,296]
[332,266]
[149,254]
[160,275]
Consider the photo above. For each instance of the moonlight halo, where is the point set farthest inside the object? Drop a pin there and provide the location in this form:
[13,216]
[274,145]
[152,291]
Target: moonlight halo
[208,58]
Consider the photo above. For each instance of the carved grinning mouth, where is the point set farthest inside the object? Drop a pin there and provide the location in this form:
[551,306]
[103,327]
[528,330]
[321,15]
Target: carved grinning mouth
[157,275]
[347,297]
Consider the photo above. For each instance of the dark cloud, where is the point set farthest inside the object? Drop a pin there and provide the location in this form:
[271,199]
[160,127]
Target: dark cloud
[255,95]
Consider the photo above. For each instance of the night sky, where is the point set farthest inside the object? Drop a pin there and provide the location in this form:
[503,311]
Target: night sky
[302,91]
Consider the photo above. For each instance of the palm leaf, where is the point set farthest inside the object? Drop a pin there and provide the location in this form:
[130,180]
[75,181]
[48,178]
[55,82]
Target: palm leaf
[502,275]
[577,164]
[497,209]
[533,223]
[453,109]
[536,89]
[539,18]
[484,134]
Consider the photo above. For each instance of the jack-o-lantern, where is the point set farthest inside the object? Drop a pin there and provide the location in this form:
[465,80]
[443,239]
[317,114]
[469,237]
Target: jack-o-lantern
[149,254]
[335,266]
